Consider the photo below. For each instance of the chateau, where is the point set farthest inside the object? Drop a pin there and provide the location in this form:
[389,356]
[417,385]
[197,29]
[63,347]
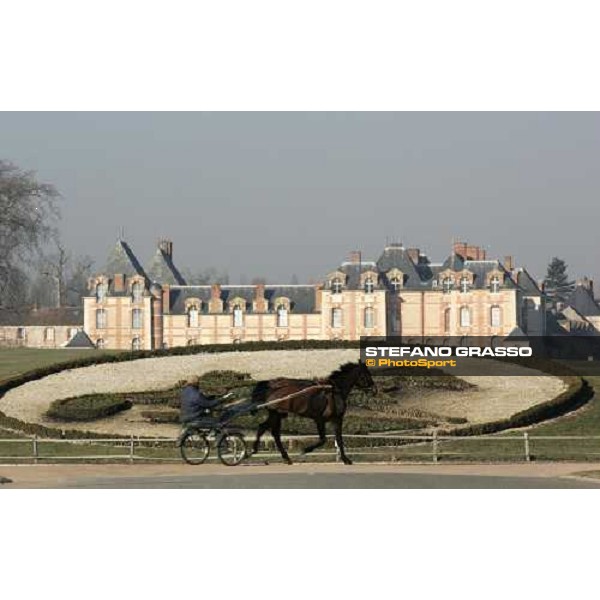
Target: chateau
[401,293]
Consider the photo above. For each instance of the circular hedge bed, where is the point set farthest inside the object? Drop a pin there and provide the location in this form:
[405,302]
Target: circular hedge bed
[87,408]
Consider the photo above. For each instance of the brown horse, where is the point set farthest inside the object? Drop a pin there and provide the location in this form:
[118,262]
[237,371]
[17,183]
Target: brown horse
[322,401]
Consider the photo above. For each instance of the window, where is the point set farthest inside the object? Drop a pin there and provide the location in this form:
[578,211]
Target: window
[136,344]
[495,316]
[464,285]
[465,317]
[136,291]
[447,284]
[282,316]
[396,283]
[238,316]
[193,317]
[136,318]
[495,284]
[369,318]
[100,319]
[20,333]
[100,292]
[49,334]
[336,317]
[336,286]
[369,285]
[100,344]
[447,316]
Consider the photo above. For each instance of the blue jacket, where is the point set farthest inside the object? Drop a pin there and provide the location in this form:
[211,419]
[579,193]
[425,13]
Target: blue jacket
[194,404]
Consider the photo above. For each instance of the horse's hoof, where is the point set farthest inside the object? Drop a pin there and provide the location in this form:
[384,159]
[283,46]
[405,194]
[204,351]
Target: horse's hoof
[347,462]
[289,462]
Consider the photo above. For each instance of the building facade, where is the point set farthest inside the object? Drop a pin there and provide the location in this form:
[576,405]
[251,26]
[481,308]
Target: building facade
[402,293]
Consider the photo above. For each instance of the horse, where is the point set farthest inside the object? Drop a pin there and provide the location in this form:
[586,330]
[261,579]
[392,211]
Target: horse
[322,401]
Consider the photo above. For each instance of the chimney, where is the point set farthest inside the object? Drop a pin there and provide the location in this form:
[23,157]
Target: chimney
[260,303]
[415,255]
[355,257]
[166,299]
[587,284]
[508,263]
[119,282]
[467,252]
[166,247]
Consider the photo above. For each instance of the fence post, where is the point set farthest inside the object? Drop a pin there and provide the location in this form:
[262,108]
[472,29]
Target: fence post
[35,449]
[131,447]
[526,440]
[434,446]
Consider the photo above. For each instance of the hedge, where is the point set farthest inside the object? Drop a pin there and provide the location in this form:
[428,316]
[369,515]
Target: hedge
[575,396]
[87,408]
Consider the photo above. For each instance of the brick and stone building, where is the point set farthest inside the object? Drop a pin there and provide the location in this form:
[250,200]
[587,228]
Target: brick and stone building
[401,293]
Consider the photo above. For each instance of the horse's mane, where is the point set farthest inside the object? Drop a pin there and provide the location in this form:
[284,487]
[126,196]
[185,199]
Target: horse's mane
[343,370]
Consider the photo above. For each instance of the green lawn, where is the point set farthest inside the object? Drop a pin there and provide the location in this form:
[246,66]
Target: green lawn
[15,361]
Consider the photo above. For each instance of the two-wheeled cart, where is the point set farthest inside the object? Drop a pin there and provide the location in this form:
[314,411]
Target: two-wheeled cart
[195,442]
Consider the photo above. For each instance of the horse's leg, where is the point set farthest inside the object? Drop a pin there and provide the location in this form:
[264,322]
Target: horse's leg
[322,439]
[276,432]
[260,431]
[340,440]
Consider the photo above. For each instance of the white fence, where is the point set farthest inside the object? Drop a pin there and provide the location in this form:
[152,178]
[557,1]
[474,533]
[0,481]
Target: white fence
[368,448]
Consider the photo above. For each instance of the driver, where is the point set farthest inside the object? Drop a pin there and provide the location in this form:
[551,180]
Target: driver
[194,403]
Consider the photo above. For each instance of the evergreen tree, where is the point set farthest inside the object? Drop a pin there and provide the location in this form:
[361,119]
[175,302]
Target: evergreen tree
[557,284]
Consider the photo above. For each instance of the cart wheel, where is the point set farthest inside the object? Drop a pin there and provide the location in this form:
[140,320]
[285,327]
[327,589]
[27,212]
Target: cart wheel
[231,448]
[194,447]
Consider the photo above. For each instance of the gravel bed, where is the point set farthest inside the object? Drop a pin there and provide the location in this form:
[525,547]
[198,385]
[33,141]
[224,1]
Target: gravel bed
[495,397]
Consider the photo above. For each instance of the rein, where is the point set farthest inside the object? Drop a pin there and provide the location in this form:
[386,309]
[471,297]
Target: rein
[293,395]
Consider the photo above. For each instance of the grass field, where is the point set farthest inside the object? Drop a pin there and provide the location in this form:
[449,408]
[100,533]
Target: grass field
[15,361]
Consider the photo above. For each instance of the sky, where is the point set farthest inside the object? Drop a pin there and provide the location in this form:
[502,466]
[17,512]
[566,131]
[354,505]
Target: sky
[281,194]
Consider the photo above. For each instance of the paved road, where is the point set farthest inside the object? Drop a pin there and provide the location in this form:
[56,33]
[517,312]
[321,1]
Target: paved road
[516,476]
[335,480]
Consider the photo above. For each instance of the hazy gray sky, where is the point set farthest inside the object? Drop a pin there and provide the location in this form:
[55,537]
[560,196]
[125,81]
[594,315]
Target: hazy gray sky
[276,194]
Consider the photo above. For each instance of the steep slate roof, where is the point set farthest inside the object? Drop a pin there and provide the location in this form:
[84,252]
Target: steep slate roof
[302,297]
[396,257]
[80,340]
[583,302]
[353,271]
[421,276]
[527,284]
[122,260]
[161,269]
[481,268]
[41,317]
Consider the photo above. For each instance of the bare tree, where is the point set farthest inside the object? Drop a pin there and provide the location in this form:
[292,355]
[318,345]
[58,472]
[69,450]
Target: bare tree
[61,278]
[28,214]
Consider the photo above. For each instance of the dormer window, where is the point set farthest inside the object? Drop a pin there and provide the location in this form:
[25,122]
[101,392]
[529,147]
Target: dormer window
[193,316]
[495,284]
[137,291]
[100,292]
[336,286]
[282,315]
[447,285]
[238,316]
[369,285]
[464,285]
[396,283]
